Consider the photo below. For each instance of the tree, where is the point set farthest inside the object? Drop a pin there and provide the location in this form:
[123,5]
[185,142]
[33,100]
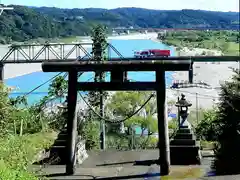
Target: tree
[99,54]
[57,90]
[227,151]
[124,104]
[58,87]
[16,120]
[5,108]
[207,129]
[96,99]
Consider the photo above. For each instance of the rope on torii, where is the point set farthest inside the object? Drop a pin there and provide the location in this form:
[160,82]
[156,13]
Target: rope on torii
[2,8]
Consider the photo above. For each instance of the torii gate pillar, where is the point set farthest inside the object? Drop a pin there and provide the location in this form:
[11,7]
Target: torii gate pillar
[163,136]
[71,122]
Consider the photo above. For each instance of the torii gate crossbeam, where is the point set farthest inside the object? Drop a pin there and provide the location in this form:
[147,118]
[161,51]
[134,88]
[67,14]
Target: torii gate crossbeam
[117,83]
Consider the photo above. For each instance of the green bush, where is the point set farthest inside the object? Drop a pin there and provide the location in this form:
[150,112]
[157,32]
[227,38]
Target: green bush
[117,142]
[89,130]
[208,145]
[18,152]
[227,159]
[121,142]
[207,128]
[147,142]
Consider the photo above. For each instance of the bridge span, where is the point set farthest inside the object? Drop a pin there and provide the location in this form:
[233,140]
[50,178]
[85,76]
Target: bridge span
[149,29]
[38,53]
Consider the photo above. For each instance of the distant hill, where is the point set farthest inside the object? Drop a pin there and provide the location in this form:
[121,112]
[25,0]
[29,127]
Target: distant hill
[34,22]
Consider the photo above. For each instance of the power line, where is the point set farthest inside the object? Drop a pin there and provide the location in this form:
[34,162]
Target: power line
[121,120]
[54,77]
[204,95]
[51,79]
[209,96]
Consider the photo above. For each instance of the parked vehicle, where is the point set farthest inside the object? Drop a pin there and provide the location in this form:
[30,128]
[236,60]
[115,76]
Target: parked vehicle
[152,53]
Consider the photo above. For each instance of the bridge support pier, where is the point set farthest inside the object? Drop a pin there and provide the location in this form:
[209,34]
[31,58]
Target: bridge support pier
[71,122]
[163,137]
[190,74]
[1,71]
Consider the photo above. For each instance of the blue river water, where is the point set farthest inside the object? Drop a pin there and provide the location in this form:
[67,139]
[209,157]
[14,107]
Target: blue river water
[28,82]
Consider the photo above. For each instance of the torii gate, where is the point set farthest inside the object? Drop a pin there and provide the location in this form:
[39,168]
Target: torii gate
[117,83]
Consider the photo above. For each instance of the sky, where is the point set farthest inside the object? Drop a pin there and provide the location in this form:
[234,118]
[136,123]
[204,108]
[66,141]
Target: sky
[213,5]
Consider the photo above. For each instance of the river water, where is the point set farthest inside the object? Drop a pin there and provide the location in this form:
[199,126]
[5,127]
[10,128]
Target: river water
[126,47]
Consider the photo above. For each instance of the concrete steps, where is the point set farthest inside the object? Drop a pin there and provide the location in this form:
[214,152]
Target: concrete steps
[184,130]
[60,142]
[183,142]
[59,148]
[184,136]
[58,151]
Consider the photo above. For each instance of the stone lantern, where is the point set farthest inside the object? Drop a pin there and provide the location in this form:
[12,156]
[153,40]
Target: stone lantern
[183,105]
[184,148]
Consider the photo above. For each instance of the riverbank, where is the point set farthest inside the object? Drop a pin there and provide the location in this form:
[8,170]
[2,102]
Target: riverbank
[135,36]
[214,74]
[225,41]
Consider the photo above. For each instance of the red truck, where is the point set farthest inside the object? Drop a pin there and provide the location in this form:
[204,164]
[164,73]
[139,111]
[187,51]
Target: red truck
[152,53]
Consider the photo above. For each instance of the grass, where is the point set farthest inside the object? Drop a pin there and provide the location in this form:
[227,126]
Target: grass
[213,41]
[18,152]
[233,49]
[207,145]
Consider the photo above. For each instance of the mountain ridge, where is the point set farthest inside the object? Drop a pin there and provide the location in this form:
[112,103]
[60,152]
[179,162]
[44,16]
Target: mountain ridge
[48,22]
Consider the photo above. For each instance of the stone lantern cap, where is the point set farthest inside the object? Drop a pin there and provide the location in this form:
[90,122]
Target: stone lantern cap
[183,102]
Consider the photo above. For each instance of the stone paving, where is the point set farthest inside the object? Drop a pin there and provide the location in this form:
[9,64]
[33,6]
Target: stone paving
[120,165]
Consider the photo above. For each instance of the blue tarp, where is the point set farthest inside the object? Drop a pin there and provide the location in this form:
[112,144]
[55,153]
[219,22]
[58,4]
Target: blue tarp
[172,115]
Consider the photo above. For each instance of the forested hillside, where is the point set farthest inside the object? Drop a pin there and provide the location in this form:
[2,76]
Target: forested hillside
[31,22]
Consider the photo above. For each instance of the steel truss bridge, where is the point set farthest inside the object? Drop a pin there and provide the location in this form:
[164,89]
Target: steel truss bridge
[38,53]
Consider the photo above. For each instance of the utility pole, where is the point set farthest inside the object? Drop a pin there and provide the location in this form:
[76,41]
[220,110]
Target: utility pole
[197,107]
[178,116]
[102,128]
[190,74]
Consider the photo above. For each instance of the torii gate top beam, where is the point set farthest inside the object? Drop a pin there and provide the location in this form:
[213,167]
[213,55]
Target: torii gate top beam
[127,65]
